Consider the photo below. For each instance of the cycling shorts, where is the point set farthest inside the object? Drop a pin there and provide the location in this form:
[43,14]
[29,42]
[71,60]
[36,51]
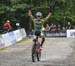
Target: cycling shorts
[39,33]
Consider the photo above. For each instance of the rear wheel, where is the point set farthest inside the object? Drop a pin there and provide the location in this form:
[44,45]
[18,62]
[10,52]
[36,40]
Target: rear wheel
[33,53]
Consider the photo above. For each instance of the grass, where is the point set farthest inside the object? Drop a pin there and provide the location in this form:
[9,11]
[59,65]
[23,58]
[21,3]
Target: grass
[2,49]
[23,40]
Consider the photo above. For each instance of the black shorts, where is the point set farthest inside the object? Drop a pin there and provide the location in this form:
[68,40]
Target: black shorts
[38,33]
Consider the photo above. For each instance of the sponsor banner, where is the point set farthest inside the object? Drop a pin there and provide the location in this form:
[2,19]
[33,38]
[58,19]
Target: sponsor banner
[71,33]
[12,37]
[6,39]
[17,35]
[23,33]
[55,34]
[2,45]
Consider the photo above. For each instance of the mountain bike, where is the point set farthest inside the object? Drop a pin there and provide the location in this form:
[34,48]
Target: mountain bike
[36,50]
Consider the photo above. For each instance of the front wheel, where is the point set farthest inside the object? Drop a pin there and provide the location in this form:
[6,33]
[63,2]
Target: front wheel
[38,56]
[36,52]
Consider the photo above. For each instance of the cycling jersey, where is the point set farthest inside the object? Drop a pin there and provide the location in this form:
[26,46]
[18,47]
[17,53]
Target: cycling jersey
[38,24]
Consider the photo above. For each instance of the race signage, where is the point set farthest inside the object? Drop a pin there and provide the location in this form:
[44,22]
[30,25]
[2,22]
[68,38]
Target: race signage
[1,42]
[71,33]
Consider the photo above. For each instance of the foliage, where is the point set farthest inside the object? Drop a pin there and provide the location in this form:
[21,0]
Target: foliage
[16,11]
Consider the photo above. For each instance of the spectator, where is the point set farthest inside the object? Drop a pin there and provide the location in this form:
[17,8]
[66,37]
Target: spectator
[18,25]
[47,27]
[7,26]
[58,28]
[63,29]
[69,26]
[53,28]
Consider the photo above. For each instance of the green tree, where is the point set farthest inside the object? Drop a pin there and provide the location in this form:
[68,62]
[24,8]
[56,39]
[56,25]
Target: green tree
[16,11]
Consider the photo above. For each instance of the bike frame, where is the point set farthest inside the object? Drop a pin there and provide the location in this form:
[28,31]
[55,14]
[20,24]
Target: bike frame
[36,51]
[36,42]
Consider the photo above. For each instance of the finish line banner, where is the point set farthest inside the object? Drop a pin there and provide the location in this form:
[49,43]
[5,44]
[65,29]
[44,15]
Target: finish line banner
[71,33]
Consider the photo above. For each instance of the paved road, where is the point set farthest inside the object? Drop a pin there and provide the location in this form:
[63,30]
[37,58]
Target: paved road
[56,52]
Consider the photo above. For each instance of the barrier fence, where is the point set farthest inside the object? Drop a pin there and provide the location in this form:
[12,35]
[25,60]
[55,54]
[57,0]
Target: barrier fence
[11,38]
[47,34]
[68,33]
[71,33]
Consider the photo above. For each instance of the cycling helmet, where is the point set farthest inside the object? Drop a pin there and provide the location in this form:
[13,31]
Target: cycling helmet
[38,14]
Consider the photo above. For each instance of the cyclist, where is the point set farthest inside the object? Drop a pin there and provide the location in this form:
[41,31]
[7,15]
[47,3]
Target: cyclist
[38,23]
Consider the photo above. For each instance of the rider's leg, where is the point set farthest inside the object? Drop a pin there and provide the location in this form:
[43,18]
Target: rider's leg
[43,40]
[35,36]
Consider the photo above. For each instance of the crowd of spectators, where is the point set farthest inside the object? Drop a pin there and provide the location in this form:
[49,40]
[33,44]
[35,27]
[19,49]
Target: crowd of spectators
[57,28]
[52,28]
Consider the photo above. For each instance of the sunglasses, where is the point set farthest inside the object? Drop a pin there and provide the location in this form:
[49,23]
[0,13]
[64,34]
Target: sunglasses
[39,16]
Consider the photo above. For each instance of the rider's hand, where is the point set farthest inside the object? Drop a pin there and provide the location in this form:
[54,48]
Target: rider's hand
[29,8]
[50,9]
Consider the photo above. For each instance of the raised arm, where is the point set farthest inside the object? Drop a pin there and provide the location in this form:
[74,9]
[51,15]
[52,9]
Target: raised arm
[50,12]
[48,17]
